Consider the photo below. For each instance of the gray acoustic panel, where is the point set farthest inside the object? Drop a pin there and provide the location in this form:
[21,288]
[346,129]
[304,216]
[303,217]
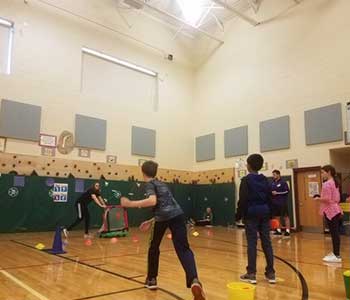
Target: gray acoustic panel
[90,132]
[236,141]
[205,147]
[143,141]
[324,124]
[20,120]
[275,134]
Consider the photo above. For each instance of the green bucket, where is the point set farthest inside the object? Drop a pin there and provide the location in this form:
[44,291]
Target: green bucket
[346,275]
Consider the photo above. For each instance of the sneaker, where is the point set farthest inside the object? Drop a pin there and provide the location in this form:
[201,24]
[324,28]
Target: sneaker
[332,259]
[271,278]
[250,278]
[65,232]
[331,254]
[151,284]
[88,236]
[197,290]
[287,234]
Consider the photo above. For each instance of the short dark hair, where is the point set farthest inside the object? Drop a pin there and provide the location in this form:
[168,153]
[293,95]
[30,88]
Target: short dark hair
[278,172]
[255,161]
[149,168]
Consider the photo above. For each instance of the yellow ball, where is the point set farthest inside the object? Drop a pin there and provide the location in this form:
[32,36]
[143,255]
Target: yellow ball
[195,233]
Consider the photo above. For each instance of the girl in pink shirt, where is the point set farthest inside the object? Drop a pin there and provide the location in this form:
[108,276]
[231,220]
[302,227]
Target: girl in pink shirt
[330,198]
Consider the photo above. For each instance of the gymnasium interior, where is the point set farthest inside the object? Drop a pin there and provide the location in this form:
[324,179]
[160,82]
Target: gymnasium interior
[90,90]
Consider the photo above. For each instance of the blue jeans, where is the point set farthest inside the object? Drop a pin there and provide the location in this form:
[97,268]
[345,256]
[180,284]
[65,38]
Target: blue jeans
[254,226]
[178,230]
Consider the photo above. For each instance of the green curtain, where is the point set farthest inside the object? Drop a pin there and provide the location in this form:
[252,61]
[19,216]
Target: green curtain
[219,197]
[31,208]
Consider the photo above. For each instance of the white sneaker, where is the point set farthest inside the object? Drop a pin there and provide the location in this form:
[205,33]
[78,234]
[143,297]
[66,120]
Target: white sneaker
[331,254]
[65,232]
[332,259]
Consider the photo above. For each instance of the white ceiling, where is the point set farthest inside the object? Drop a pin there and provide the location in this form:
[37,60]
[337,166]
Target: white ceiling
[210,20]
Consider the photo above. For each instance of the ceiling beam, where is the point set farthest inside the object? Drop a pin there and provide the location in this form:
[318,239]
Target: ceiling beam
[255,5]
[229,7]
[165,13]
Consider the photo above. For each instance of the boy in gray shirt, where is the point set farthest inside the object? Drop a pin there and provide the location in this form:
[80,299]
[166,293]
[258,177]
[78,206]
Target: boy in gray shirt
[167,214]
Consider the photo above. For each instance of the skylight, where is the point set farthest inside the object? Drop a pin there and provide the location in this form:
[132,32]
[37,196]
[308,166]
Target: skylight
[195,10]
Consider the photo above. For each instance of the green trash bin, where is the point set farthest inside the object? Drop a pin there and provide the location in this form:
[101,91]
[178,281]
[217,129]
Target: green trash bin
[347,284]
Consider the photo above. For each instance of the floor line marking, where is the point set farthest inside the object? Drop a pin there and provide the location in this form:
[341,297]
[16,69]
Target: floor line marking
[23,285]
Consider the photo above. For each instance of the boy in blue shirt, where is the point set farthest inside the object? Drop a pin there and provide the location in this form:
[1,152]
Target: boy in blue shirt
[167,214]
[254,208]
[280,191]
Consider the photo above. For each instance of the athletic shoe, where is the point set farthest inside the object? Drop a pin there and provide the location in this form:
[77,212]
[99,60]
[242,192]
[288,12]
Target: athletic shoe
[65,232]
[271,277]
[88,236]
[287,234]
[197,290]
[332,259]
[331,254]
[250,278]
[151,284]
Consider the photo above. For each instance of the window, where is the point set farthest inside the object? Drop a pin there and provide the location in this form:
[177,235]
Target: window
[118,83]
[6,39]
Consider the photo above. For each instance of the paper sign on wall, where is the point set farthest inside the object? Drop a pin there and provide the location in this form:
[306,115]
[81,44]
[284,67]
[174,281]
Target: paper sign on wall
[79,185]
[314,189]
[60,192]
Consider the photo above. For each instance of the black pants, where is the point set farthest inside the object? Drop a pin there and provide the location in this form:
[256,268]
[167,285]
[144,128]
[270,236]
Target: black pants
[82,214]
[252,228]
[178,230]
[333,226]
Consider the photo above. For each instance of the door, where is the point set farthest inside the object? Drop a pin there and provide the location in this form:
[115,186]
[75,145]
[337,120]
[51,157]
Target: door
[309,184]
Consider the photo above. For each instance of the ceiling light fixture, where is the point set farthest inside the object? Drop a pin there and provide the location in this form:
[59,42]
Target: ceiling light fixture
[118,61]
[193,10]
[5,23]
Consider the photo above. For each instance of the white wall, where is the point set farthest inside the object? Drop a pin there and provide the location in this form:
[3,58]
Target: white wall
[47,72]
[285,66]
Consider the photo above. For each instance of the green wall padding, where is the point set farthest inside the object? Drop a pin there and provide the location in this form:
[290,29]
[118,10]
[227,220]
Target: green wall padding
[220,197]
[32,209]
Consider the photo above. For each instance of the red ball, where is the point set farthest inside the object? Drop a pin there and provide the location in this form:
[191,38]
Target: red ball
[274,224]
[88,242]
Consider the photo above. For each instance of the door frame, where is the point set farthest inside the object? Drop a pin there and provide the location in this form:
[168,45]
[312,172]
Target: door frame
[296,194]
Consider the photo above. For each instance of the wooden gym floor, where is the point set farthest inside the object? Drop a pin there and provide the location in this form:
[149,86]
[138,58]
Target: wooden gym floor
[106,271]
